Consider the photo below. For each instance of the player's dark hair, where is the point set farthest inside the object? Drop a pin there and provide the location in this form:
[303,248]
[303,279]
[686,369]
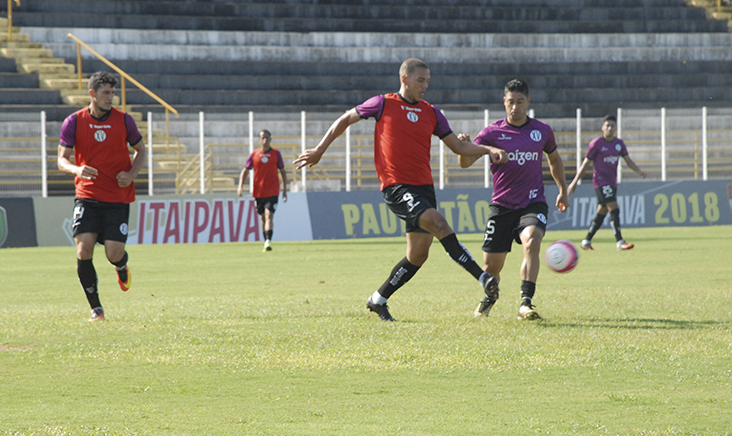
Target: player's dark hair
[410,65]
[516,85]
[609,118]
[100,78]
[265,131]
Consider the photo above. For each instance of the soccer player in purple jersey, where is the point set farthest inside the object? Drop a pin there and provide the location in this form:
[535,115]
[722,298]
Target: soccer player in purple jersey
[605,153]
[518,209]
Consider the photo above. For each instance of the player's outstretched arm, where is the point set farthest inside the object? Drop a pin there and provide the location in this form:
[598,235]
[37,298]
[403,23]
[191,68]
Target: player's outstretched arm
[312,156]
[556,168]
[634,167]
[578,176]
[468,152]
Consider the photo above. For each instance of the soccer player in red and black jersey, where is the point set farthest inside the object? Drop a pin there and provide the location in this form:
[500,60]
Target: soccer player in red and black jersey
[266,163]
[98,137]
[405,124]
[518,208]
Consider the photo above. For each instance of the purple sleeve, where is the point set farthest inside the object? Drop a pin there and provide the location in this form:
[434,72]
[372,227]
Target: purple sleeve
[133,135]
[624,149]
[482,138]
[551,143]
[68,131]
[592,150]
[442,128]
[280,162]
[250,162]
[372,107]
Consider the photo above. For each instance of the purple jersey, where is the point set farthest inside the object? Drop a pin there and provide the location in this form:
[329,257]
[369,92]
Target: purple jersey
[605,156]
[518,182]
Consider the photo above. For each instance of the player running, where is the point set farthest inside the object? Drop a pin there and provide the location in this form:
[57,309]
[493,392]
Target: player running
[605,153]
[518,209]
[405,124]
[98,136]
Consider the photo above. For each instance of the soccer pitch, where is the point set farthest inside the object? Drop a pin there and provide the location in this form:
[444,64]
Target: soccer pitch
[223,339]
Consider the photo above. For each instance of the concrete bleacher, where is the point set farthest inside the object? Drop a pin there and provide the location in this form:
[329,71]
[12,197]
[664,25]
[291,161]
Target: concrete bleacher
[226,56]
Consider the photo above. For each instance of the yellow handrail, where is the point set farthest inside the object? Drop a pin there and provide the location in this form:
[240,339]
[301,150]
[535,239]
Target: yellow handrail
[117,69]
[10,18]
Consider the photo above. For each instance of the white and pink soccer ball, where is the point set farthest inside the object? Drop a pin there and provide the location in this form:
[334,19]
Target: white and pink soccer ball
[561,256]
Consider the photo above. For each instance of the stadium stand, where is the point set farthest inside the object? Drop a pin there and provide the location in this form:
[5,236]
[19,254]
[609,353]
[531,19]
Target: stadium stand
[227,56]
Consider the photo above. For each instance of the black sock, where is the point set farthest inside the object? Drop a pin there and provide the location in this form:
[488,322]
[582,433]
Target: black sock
[527,292]
[460,255]
[267,235]
[122,262]
[401,274]
[615,224]
[88,280]
[595,226]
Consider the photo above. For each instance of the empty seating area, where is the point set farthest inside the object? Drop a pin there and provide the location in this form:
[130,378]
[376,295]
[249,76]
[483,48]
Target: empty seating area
[228,56]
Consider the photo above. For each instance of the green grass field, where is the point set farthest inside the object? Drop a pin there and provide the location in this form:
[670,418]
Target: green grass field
[227,340]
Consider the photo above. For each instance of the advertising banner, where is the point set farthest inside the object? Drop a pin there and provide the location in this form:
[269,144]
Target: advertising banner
[343,215]
[184,219]
[17,223]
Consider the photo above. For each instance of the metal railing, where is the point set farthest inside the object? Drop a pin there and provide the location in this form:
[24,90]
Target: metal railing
[124,76]
[10,18]
[193,162]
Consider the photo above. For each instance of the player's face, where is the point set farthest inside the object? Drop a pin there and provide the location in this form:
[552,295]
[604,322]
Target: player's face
[102,97]
[265,141]
[609,129]
[516,105]
[416,85]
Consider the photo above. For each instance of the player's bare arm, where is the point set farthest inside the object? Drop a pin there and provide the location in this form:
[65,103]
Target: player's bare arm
[312,156]
[283,173]
[467,150]
[556,168]
[242,177]
[582,170]
[125,178]
[634,167]
[64,164]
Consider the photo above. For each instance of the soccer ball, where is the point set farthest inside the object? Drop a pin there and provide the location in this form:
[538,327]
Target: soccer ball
[561,256]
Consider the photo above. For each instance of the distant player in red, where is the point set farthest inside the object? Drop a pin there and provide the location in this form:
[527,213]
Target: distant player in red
[267,163]
[605,153]
[98,137]
[402,140]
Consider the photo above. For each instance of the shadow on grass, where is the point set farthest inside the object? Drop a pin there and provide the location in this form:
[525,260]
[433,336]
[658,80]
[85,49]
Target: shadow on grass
[640,324]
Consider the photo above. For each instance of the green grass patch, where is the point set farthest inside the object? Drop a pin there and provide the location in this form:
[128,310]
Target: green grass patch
[226,340]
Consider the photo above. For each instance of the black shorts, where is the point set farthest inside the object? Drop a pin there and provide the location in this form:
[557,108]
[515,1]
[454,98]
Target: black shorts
[505,225]
[107,220]
[606,194]
[409,202]
[269,203]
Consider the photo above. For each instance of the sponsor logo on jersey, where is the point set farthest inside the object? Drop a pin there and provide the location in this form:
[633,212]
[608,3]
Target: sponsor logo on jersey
[503,137]
[611,159]
[521,157]
[535,135]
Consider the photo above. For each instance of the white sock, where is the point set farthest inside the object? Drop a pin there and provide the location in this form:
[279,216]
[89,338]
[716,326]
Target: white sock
[376,298]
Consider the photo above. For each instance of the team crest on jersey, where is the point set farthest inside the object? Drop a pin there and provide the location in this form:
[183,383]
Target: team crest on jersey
[618,147]
[535,135]
[265,158]
[413,117]
[100,135]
